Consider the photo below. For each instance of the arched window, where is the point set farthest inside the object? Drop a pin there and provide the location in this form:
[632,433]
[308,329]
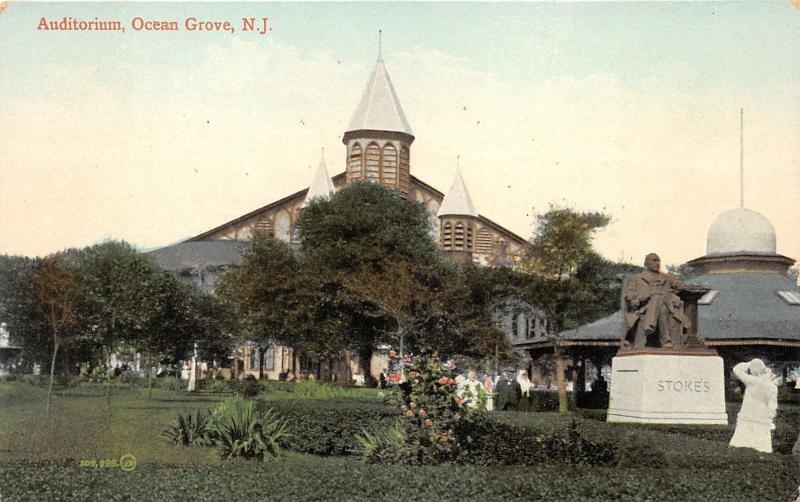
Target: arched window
[356,162]
[373,164]
[404,170]
[469,237]
[283,226]
[447,236]
[458,236]
[389,165]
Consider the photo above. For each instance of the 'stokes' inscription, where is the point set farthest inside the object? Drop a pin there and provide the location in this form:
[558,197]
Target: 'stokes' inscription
[683,386]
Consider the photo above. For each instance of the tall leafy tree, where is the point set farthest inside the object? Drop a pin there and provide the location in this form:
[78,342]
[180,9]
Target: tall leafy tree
[58,292]
[117,283]
[366,238]
[561,245]
[19,308]
[264,291]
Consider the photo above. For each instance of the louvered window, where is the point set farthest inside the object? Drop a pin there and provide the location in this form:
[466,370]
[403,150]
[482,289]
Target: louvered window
[356,162]
[373,164]
[447,236]
[469,237]
[404,170]
[458,237]
[483,244]
[264,225]
[389,166]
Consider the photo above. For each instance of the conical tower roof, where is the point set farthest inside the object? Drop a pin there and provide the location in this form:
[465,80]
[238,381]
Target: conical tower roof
[457,201]
[321,184]
[379,108]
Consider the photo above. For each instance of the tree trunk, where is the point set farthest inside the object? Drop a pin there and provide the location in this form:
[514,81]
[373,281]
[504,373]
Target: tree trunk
[52,372]
[150,378]
[562,385]
[108,388]
[261,362]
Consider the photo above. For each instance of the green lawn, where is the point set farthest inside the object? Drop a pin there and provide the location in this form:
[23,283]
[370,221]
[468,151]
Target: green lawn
[40,459]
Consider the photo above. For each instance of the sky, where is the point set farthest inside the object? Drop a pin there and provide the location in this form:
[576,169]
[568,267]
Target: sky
[628,108]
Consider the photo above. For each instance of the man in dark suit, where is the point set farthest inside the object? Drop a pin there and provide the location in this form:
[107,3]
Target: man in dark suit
[508,391]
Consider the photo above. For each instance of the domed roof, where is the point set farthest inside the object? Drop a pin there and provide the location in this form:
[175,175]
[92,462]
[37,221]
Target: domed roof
[741,230]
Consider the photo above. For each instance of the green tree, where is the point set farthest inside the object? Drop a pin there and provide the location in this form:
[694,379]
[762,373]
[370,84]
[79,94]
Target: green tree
[20,310]
[116,280]
[474,298]
[561,245]
[264,291]
[58,292]
[367,234]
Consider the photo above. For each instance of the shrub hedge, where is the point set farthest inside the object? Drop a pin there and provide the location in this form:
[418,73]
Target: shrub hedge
[302,477]
[329,427]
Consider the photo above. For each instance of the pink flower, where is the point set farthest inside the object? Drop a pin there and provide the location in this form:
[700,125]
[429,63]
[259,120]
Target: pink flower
[443,438]
[422,413]
[443,381]
[413,374]
[392,353]
[451,382]
[413,404]
[409,413]
[429,422]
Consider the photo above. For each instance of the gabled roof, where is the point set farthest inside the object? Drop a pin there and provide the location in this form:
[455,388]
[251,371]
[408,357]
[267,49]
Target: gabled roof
[379,108]
[339,179]
[321,184]
[457,201]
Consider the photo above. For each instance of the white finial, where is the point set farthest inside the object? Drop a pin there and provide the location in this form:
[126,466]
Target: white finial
[741,157]
[458,161]
[380,56]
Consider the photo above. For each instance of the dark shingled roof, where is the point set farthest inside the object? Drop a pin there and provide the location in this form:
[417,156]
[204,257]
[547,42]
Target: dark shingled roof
[607,328]
[196,254]
[747,307]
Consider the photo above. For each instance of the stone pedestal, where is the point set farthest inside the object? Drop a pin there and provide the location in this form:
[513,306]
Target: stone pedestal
[667,387]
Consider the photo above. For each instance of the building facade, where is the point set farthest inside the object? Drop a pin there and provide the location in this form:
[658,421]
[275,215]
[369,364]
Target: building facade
[378,149]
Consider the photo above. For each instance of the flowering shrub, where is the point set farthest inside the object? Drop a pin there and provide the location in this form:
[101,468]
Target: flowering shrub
[434,419]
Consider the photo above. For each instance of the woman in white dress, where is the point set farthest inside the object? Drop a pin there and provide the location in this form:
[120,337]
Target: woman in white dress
[754,425]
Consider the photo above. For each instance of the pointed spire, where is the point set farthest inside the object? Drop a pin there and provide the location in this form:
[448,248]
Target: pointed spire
[321,184]
[379,108]
[457,201]
[380,56]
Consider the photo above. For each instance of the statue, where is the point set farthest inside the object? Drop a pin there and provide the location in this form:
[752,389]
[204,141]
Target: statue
[754,425]
[652,305]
